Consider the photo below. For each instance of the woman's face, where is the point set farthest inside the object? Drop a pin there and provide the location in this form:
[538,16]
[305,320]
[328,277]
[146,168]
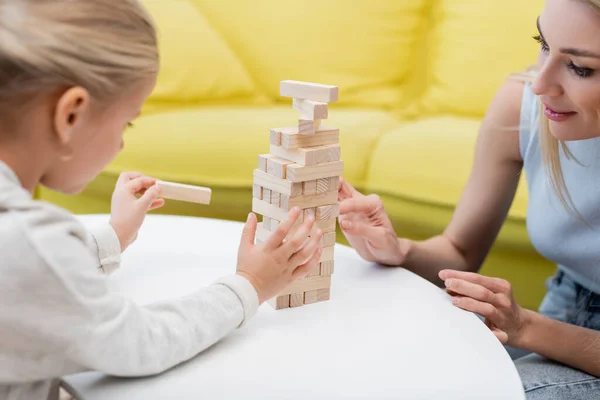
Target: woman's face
[568,82]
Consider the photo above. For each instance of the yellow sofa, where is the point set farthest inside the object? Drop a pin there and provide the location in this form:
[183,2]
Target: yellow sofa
[415,78]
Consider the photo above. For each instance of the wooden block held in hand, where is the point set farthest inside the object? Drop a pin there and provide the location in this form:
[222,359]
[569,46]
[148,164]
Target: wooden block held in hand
[311,109]
[310,297]
[309,91]
[327,268]
[276,166]
[291,139]
[314,200]
[327,212]
[328,239]
[333,182]
[182,192]
[296,299]
[310,187]
[300,173]
[280,302]
[310,155]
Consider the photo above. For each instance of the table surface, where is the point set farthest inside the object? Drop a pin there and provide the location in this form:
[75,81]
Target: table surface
[386,333]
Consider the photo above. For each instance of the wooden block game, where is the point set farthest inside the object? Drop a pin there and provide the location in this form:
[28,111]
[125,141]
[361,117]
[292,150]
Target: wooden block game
[303,170]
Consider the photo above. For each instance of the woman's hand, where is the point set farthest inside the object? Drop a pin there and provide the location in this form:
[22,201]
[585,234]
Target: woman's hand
[134,195]
[367,227]
[491,298]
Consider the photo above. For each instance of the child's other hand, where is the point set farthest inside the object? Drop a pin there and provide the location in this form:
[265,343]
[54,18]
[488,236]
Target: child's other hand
[134,195]
[273,265]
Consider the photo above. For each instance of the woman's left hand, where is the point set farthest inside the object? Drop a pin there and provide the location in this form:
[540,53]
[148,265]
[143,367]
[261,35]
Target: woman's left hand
[491,298]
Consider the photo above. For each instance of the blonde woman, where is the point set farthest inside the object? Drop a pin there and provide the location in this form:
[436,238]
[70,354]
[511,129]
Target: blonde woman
[73,75]
[558,147]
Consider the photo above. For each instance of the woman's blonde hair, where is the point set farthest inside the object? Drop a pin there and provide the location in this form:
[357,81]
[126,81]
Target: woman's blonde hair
[104,46]
[550,146]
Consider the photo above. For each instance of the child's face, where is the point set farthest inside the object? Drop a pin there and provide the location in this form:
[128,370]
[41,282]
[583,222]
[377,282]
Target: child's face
[97,140]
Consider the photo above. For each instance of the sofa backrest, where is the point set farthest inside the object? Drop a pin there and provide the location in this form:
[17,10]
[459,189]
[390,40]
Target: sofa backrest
[417,56]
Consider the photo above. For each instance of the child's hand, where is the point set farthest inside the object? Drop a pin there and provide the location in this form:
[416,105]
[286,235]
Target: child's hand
[273,265]
[127,210]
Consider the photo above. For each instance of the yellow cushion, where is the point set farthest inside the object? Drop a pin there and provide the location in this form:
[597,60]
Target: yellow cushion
[219,146]
[474,46]
[196,64]
[429,162]
[365,47]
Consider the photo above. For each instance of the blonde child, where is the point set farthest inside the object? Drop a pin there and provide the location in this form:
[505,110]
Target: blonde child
[73,75]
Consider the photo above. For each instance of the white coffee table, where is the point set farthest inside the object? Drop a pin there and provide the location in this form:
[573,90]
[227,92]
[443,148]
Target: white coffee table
[385,334]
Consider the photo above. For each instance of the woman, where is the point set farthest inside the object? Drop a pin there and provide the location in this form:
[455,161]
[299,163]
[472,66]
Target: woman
[557,144]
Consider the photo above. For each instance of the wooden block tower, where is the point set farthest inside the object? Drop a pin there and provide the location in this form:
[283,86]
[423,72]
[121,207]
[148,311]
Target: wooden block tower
[302,169]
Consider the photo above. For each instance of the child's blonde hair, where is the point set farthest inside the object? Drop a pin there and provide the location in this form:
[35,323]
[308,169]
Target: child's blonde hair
[104,46]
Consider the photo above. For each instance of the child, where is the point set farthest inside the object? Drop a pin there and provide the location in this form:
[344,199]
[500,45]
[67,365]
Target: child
[73,74]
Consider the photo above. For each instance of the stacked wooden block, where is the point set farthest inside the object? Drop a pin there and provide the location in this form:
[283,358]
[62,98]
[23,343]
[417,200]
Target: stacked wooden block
[302,169]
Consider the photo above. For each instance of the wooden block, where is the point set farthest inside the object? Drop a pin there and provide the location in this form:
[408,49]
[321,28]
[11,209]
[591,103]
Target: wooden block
[266,223]
[274,225]
[313,200]
[309,91]
[181,192]
[314,272]
[309,155]
[269,210]
[282,186]
[333,182]
[310,212]
[257,192]
[322,185]
[308,126]
[328,239]
[262,233]
[275,199]
[307,284]
[267,195]
[323,294]
[280,302]
[325,225]
[296,299]
[327,268]
[310,297]
[310,187]
[326,212]
[311,109]
[276,166]
[275,137]
[262,161]
[300,173]
[327,254]
[284,201]
[291,139]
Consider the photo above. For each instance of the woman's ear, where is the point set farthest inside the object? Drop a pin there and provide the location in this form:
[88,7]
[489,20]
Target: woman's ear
[71,108]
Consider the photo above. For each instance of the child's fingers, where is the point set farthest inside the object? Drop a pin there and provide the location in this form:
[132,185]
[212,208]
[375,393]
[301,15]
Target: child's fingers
[308,250]
[136,185]
[299,238]
[158,203]
[248,233]
[127,176]
[282,230]
[308,266]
